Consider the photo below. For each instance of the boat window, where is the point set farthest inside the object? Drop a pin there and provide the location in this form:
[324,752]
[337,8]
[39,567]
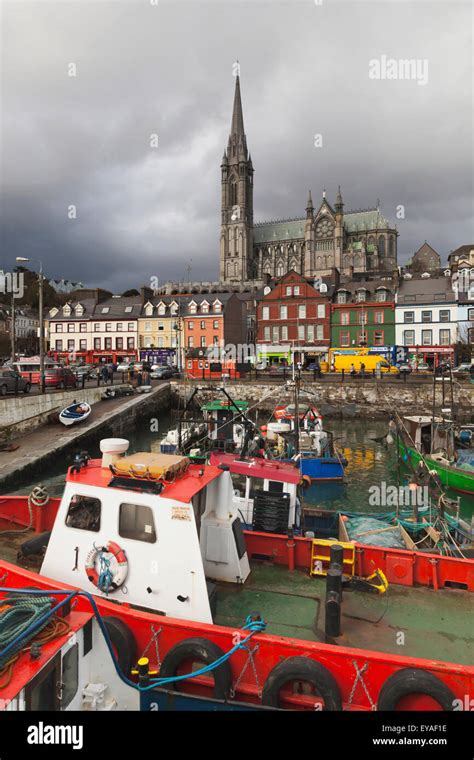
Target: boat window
[84,513]
[70,677]
[275,486]
[136,522]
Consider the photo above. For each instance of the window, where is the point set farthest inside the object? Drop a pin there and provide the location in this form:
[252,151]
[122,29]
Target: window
[288,290]
[265,312]
[203,324]
[470,315]
[59,345]
[444,337]
[301,332]
[147,326]
[131,326]
[321,310]
[105,309]
[191,341]
[378,317]
[381,296]
[97,344]
[284,332]
[71,327]
[70,675]
[108,327]
[409,317]
[283,312]
[96,326]
[378,337]
[205,307]
[215,340]
[161,309]
[426,316]
[192,307]
[215,324]
[342,297]
[319,332]
[345,317]
[310,333]
[131,343]
[266,333]
[136,522]
[128,309]
[426,337]
[345,339]
[444,315]
[217,306]
[71,345]
[83,327]
[59,328]
[296,290]
[275,334]
[82,345]
[302,311]
[203,341]
[174,308]
[108,344]
[161,326]
[361,296]
[84,513]
[149,310]
[119,344]
[190,325]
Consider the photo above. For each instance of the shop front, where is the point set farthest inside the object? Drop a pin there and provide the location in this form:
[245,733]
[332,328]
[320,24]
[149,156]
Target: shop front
[430,355]
[160,356]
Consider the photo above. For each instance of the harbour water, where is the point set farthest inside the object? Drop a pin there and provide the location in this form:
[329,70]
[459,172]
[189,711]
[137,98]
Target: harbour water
[371,463]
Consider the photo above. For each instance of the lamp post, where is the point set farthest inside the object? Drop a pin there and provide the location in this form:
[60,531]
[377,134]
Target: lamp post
[41,320]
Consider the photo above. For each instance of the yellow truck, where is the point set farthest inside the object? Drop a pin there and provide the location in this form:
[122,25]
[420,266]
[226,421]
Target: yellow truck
[343,360]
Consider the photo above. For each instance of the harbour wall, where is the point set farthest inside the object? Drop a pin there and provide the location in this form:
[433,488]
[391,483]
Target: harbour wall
[349,399]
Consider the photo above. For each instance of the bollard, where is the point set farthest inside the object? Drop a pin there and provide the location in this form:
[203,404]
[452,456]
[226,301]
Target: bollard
[342,375]
[291,550]
[143,675]
[336,556]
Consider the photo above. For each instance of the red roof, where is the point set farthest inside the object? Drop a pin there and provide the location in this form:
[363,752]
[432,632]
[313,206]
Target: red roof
[181,489]
[266,469]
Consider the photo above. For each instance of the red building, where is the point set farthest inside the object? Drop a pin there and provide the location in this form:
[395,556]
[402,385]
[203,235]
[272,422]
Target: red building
[293,318]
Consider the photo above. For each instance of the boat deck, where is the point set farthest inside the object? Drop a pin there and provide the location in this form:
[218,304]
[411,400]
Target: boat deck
[414,622]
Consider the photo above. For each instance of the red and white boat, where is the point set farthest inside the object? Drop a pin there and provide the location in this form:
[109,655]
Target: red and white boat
[159,542]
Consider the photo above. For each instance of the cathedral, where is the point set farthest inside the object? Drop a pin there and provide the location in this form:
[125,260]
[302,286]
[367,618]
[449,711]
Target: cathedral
[323,239]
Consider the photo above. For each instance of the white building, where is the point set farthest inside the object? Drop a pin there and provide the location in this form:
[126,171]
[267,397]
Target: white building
[426,318]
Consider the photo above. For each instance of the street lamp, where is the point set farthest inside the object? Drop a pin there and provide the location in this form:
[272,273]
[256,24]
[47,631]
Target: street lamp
[41,320]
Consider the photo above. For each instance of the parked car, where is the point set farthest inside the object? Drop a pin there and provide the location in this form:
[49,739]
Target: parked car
[11,381]
[82,370]
[462,369]
[129,366]
[161,373]
[404,368]
[60,377]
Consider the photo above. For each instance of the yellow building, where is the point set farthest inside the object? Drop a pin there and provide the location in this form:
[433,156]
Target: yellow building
[158,330]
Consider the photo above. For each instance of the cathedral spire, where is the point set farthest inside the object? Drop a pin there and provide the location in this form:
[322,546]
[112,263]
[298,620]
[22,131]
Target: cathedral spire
[237,127]
[309,207]
[339,204]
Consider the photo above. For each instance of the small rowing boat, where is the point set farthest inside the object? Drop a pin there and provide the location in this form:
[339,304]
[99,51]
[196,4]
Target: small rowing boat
[75,412]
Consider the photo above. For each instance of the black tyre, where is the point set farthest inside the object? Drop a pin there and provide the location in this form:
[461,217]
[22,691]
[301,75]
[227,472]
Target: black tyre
[3,390]
[123,642]
[302,669]
[61,385]
[413,681]
[27,388]
[201,651]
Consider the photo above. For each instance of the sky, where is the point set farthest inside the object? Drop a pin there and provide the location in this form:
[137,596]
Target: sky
[85,85]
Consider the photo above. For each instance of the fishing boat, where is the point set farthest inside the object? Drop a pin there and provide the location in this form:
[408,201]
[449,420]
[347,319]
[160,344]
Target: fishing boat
[426,443]
[159,543]
[75,412]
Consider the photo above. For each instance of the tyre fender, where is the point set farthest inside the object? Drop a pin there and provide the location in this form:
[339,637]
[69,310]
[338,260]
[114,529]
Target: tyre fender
[123,641]
[302,669]
[204,651]
[414,681]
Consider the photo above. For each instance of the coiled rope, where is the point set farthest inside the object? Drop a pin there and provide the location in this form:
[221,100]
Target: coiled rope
[39,497]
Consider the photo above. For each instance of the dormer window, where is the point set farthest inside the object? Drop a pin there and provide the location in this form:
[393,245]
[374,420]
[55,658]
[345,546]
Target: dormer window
[149,310]
[128,309]
[205,307]
[342,296]
[217,305]
[161,309]
[174,308]
[67,310]
[79,310]
[361,295]
[105,309]
[53,311]
[193,307]
[381,295]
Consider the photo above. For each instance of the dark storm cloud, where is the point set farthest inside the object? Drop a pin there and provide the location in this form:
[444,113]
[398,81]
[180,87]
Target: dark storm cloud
[167,69]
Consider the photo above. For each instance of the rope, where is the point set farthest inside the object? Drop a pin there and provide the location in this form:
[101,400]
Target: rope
[39,497]
[251,625]
[17,616]
[105,575]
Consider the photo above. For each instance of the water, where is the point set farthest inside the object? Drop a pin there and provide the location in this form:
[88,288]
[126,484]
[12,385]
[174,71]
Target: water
[370,463]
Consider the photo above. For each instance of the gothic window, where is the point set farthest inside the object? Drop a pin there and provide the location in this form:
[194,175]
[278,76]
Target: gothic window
[280,270]
[381,245]
[391,246]
[329,262]
[324,228]
[357,260]
[319,262]
[345,262]
[233,193]
[323,262]
[371,240]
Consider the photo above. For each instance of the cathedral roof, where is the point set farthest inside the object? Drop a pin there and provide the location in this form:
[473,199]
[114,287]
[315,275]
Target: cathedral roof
[282,229]
[366,219]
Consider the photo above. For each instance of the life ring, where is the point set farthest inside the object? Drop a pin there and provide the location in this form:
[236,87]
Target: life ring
[114,579]
[414,681]
[302,669]
[305,481]
[200,650]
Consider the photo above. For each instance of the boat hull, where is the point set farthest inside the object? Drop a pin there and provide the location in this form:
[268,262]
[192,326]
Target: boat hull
[451,477]
[322,468]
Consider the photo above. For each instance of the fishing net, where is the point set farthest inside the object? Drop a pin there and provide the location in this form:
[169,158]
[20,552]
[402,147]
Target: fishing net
[371,531]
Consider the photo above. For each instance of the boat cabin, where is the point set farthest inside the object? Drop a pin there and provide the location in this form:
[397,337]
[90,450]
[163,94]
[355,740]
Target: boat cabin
[224,421]
[431,435]
[265,491]
[151,530]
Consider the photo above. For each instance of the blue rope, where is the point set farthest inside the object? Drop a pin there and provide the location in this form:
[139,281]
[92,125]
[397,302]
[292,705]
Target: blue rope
[105,575]
[253,626]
